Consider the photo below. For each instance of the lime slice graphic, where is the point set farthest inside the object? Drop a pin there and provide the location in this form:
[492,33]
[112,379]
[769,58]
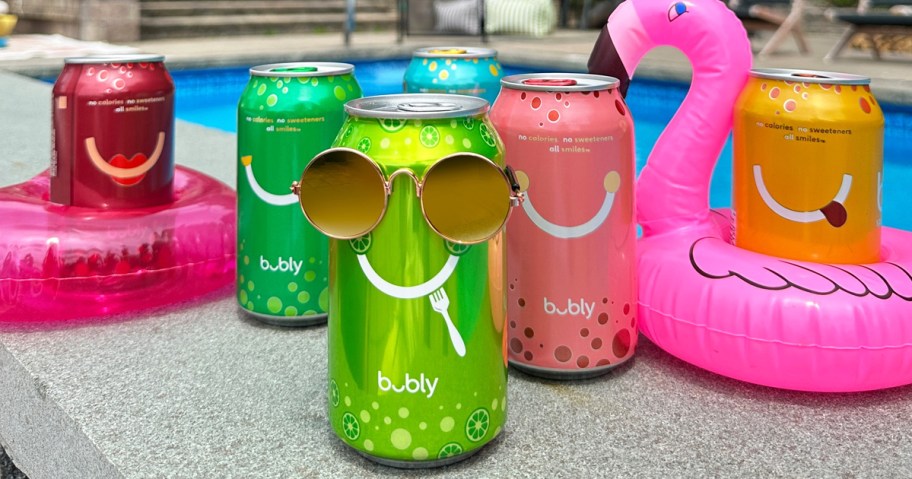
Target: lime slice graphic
[486,135]
[477,425]
[348,133]
[429,136]
[333,393]
[392,124]
[449,450]
[350,426]
[361,244]
[456,249]
[468,122]
[364,145]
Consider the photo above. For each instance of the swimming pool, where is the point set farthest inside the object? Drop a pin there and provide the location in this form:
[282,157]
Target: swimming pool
[209,97]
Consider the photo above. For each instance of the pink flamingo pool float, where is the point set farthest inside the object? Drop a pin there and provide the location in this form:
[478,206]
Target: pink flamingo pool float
[782,323]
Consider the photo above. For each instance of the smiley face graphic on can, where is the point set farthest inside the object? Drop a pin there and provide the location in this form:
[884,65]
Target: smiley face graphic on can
[571,250]
[416,329]
[808,169]
[113,124]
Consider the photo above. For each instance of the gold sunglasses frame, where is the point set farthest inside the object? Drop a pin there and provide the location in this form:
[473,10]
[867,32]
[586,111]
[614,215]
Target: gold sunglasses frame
[516,197]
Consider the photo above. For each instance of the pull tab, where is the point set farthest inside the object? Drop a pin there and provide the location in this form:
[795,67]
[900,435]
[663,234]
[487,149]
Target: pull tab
[550,82]
[809,75]
[428,106]
[295,70]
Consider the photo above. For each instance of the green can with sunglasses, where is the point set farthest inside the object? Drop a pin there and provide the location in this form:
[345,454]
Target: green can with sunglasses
[414,196]
[288,113]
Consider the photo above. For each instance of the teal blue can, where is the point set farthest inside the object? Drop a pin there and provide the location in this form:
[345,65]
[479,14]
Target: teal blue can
[461,70]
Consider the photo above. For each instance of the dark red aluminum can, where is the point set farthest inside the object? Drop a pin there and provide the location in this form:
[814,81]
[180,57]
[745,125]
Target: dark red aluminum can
[113,132]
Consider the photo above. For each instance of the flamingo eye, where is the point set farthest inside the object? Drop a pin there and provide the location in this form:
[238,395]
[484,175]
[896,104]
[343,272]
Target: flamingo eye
[676,10]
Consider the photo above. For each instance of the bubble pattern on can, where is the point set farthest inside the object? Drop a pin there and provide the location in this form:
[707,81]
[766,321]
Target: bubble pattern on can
[571,248]
[450,74]
[398,390]
[284,119]
[813,191]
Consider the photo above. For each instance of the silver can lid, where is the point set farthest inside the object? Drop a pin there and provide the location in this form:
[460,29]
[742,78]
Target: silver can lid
[566,82]
[428,106]
[302,69]
[126,58]
[810,76]
[455,52]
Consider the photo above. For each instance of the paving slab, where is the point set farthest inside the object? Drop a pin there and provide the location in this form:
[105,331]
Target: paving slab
[200,390]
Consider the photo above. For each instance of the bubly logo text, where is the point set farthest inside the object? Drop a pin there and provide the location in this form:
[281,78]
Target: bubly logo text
[410,385]
[581,308]
[283,265]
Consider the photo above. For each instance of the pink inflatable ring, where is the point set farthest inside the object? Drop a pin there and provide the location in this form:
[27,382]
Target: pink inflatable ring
[770,321]
[59,262]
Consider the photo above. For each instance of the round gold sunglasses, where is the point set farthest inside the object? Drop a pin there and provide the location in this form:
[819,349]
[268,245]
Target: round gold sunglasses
[465,197]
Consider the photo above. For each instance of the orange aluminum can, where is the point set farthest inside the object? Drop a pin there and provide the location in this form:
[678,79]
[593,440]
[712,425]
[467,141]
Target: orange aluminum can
[808,166]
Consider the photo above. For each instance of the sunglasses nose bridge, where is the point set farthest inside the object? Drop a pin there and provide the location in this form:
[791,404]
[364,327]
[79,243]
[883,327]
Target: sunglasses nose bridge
[403,171]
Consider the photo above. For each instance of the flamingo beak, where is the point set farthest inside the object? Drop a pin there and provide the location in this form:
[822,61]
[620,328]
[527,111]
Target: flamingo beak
[605,60]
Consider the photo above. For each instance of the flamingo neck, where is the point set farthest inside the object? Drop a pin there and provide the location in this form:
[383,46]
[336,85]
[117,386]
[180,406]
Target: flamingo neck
[673,188]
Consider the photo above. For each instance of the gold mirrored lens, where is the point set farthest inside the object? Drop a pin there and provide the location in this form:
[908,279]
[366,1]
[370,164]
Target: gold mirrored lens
[342,193]
[466,198]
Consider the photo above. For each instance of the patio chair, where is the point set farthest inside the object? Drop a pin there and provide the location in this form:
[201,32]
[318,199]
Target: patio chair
[872,18]
[442,17]
[784,17]
[584,14]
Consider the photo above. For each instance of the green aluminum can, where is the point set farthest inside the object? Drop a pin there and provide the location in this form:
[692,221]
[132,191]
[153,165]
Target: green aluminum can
[288,113]
[400,391]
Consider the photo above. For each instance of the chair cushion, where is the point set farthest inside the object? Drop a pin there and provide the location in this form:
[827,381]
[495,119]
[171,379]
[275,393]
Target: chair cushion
[526,17]
[875,19]
[457,16]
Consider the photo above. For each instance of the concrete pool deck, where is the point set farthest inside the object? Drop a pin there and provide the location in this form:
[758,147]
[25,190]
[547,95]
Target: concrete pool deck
[200,390]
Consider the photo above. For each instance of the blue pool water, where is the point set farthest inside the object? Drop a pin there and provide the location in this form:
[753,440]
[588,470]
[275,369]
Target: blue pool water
[209,97]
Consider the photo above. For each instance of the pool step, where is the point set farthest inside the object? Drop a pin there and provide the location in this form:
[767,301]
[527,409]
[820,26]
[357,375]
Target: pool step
[157,8]
[186,18]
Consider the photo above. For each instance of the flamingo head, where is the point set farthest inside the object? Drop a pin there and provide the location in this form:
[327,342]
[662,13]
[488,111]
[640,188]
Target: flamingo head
[706,31]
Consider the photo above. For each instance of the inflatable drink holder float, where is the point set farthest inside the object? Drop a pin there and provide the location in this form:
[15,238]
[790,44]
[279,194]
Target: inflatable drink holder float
[762,319]
[62,262]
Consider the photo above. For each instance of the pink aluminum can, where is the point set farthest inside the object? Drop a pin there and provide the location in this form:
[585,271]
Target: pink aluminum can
[571,252]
